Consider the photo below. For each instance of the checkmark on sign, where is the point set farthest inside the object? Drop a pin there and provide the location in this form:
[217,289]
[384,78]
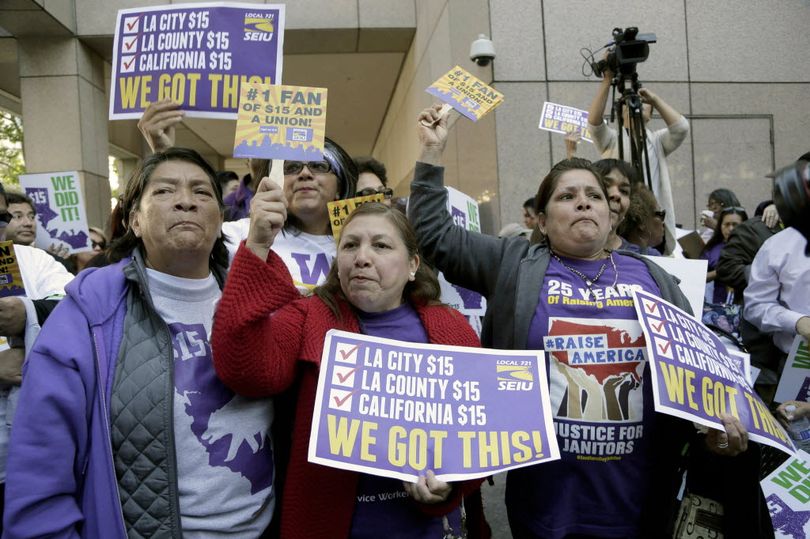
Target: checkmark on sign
[650,307]
[131,24]
[663,348]
[340,399]
[346,353]
[128,64]
[658,327]
[130,44]
[343,376]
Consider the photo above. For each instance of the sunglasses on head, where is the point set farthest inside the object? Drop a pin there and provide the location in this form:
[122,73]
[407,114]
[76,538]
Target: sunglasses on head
[368,191]
[732,209]
[316,167]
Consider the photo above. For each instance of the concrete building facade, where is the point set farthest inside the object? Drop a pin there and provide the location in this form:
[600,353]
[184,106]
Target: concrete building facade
[736,69]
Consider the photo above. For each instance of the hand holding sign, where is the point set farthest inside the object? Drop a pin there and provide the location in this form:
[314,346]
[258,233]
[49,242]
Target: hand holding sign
[158,122]
[432,131]
[268,212]
[428,489]
[730,443]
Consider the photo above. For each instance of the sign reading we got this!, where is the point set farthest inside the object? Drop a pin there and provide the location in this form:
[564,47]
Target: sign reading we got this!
[198,55]
[694,376]
[466,93]
[281,122]
[397,409]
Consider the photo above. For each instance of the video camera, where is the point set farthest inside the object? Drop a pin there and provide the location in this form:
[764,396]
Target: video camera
[791,195]
[629,48]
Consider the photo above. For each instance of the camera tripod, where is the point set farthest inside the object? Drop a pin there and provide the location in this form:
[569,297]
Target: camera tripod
[637,131]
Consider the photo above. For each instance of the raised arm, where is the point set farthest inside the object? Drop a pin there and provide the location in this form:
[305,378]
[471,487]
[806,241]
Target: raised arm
[467,259]
[158,124]
[677,125]
[258,326]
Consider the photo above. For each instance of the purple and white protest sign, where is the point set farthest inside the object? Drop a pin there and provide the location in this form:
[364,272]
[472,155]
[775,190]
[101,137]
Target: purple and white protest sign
[564,119]
[694,376]
[197,55]
[397,409]
[787,493]
[60,209]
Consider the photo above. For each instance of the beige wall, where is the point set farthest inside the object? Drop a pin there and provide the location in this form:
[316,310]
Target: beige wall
[735,67]
[444,31]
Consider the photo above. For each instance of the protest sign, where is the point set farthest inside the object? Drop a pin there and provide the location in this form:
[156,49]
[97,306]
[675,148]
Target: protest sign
[339,210]
[795,381]
[464,211]
[787,493]
[564,119]
[198,55]
[59,204]
[466,93]
[11,283]
[281,122]
[690,273]
[397,409]
[693,376]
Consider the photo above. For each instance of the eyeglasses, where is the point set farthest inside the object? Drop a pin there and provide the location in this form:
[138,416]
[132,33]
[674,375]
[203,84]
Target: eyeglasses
[316,167]
[98,244]
[661,214]
[368,191]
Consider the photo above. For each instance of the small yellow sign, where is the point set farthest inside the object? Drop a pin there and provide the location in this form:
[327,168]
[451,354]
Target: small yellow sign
[339,210]
[281,122]
[466,93]
[11,283]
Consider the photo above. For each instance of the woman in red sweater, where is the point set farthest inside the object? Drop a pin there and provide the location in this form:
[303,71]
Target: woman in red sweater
[267,339]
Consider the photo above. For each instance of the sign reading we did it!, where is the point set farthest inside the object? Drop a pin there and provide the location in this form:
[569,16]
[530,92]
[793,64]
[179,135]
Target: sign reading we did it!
[198,55]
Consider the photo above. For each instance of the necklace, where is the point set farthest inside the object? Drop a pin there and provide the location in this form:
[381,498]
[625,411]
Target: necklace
[588,281]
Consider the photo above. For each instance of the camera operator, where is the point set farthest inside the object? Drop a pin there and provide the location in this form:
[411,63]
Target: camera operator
[659,144]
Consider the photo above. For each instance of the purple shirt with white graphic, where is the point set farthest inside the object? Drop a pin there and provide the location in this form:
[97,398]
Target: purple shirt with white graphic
[596,362]
[383,508]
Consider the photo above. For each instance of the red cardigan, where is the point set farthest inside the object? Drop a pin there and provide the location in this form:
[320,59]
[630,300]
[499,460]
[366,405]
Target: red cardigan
[265,338]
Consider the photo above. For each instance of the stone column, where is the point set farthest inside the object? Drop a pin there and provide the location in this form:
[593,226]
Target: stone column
[64,111]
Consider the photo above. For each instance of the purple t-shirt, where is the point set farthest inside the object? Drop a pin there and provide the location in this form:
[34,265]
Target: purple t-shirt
[721,293]
[383,508]
[596,363]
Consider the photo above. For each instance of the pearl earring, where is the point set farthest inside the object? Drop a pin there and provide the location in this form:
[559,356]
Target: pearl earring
[412,276]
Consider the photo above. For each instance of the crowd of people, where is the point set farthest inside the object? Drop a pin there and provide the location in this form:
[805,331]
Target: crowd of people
[168,389]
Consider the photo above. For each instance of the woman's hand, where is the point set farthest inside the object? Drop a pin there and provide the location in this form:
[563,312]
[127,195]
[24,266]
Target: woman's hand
[770,216]
[268,212]
[428,489]
[730,443]
[432,131]
[158,124]
[802,410]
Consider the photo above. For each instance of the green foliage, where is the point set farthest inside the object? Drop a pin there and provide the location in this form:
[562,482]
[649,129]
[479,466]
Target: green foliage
[11,155]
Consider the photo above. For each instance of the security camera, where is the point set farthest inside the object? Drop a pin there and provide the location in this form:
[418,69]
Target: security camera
[482,51]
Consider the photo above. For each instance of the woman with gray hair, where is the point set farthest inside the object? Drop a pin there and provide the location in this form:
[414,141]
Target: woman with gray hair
[123,429]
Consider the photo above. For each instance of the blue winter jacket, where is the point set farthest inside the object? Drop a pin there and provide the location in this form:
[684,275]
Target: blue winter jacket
[61,480]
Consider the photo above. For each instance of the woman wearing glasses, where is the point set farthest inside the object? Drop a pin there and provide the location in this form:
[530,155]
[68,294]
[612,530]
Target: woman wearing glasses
[372,179]
[618,475]
[305,244]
